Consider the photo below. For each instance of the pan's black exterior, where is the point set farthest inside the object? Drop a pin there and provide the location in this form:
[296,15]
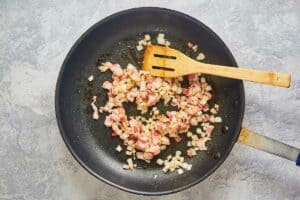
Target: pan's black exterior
[114,39]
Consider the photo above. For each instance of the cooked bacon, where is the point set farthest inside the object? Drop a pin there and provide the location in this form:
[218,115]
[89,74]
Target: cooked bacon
[190,45]
[201,143]
[146,138]
[116,70]
[108,122]
[148,156]
[107,85]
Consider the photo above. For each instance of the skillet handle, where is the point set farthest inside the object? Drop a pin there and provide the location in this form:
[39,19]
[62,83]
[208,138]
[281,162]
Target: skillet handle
[269,145]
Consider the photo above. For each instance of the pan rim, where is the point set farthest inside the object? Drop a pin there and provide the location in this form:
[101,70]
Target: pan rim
[63,131]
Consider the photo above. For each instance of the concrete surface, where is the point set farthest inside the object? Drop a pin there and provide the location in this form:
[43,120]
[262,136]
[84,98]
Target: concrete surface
[34,39]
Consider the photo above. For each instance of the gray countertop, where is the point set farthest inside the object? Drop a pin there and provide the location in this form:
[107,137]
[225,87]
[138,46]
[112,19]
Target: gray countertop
[36,35]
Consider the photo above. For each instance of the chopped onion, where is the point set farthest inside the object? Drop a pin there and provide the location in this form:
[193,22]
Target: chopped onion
[90,78]
[200,56]
[119,148]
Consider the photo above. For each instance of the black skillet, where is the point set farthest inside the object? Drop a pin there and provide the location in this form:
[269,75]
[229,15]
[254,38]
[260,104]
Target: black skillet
[114,39]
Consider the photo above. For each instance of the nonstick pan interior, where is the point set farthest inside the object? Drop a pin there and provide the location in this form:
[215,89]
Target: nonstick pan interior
[114,39]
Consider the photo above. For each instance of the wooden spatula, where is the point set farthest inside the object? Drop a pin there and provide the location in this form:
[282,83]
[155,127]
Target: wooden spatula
[167,62]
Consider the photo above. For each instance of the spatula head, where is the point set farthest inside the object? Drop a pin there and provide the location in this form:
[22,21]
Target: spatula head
[164,61]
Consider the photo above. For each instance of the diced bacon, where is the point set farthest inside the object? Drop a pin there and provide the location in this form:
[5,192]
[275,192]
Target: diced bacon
[155,150]
[149,78]
[140,155]
[113,133]
[144,138]
[194,121]
[130,97]
[165,140]
[144,95]
[174,102]
[157,83]
[142,146]
[193,100]
[155,140]
[209,131]
[148,156]
[191,152]
[133,134]
[193,110]
[115,117]
[178,138]
[205,118]
[193,77]
[205,107]
[208,94]
[108,122]
[190,91]
[107,85]
[116,70]
[150,86]
[116,129]
[142,86]
[185,91]
[201,143]
[190,45]
[152,100]
[164,119]
[135,76]
[160,127]
[131,67]
[102,109]
[171,114]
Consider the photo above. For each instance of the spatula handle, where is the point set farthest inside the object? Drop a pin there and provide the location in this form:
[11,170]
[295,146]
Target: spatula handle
[269,145]
[270,78]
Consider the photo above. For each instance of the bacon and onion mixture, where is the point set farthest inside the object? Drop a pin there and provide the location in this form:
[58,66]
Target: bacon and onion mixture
[146,138]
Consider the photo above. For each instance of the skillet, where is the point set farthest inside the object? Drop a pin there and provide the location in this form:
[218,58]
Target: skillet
[114,39]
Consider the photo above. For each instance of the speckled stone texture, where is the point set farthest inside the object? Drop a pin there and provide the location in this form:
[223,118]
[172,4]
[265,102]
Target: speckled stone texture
[36,35]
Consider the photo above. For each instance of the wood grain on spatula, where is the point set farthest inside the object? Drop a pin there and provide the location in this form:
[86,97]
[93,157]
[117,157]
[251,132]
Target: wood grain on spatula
[167,62]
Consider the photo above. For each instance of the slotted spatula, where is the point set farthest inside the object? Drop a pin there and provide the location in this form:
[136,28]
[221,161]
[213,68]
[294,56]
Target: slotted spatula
[167,62]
